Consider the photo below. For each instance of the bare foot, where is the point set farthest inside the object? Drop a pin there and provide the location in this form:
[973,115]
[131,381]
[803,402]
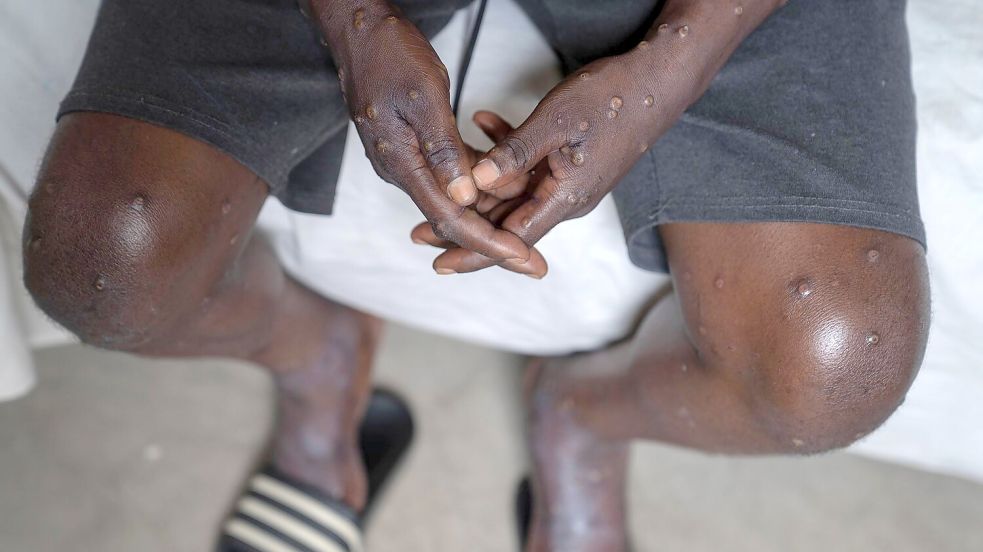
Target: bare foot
[578,478]
[321,363]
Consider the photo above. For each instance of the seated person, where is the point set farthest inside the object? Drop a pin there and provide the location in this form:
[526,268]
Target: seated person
[761,154]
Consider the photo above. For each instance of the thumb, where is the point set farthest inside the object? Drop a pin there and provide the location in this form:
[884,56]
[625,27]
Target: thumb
[444,151]
[519,152]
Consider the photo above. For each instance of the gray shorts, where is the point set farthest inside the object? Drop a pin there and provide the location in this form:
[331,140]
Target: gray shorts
[811,120]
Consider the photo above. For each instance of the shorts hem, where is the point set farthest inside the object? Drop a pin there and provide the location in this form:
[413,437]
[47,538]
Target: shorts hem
[157,111]
[645,247]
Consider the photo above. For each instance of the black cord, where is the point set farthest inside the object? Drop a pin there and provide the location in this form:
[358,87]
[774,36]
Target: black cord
[466,61]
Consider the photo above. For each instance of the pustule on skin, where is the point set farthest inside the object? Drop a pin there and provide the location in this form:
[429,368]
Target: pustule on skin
[344,23]
[688,43]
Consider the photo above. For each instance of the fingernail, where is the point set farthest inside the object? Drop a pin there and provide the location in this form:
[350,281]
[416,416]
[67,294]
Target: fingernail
[461,190]
[518,260]
[444,271]
[534,276]
[418,241]
[485,173]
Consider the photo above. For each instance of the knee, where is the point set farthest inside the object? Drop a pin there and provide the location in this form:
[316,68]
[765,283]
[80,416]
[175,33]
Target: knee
[834,364]
[809,400]
[102,266]
[839,377]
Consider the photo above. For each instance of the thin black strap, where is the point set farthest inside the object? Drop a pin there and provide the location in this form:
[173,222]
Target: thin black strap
[466,60]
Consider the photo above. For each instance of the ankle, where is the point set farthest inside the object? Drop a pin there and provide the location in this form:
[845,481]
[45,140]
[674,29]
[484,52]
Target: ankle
[315,438]
[335,470]
[580,475]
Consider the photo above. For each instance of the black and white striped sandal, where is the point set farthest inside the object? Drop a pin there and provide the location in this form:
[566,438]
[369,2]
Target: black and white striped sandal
[279,514]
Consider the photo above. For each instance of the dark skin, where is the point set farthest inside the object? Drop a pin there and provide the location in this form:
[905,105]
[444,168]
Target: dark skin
[593,126]
[727,389]
[776,338]
[140,239]
[398,93]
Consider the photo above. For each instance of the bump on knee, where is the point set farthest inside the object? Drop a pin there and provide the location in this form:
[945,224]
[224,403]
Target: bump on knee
[830,385]
[86,269]
[832,367]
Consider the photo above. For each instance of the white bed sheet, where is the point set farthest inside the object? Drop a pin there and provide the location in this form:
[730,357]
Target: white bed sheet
[592,293]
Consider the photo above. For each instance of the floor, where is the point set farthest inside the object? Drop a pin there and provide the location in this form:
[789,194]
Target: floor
[112,453]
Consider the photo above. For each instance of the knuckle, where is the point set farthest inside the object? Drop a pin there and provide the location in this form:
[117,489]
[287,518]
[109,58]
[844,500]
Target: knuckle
[560,114]
[446,227]
[412,176]
[565,171]
[561,103]
[417,172]
[442,75]
[516,148]
[442,153]
[578,211]
[438,230]
[576,200]
[380,167]
[418,99]
[392,163]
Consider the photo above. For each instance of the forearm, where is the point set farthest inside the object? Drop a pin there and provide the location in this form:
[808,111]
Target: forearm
[348,25]
[688,44]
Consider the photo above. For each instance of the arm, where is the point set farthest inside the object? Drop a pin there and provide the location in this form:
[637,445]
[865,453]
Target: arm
[594,125]
[688,45]
[398,94]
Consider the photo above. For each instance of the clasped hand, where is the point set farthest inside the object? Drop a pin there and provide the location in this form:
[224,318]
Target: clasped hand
[558,164]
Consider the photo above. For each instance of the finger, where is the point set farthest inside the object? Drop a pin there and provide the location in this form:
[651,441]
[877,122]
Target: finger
[422,234]
[464,261]
[487,203]
[398,158]
[442,147]
[468,229]
[547,207]
[472,231]
[495,127]
[513,189]
[460,225]
[519,151]
[502,210]
[530,220]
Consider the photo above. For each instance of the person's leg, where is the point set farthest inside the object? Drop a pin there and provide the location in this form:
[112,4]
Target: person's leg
[140,239]
[779,338]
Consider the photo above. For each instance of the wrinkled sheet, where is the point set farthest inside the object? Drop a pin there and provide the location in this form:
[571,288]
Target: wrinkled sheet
[362,255]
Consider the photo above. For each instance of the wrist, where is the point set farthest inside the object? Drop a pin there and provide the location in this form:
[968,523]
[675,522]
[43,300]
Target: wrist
[349,25]
[668,78]
[690,42]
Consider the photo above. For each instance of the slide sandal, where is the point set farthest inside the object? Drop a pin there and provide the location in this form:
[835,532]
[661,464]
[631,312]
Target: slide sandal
[523,510]
[279,514]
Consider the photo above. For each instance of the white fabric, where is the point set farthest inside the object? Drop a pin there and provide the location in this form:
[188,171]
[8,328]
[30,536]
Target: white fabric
[16,374]
[41,45]
[940,426]
[362,255]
